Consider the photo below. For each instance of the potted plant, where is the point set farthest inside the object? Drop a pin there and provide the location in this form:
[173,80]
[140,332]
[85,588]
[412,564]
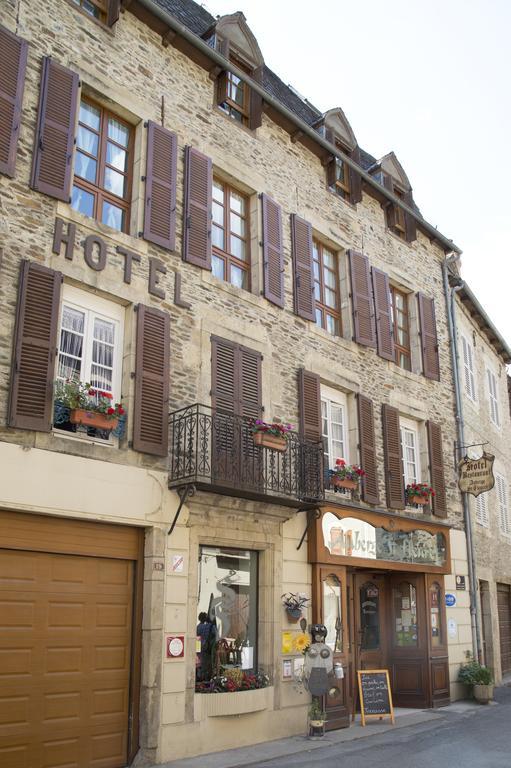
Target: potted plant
[294,604]
[317,716]
[418,493]
[87,405]
[345,475]
[272,435]
[479,679]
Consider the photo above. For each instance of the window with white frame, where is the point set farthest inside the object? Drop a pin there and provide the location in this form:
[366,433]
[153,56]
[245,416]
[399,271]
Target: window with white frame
[482,510]
[90,341]
[504,521]
[493,397]
[468,368]
[334,421]
[410,451]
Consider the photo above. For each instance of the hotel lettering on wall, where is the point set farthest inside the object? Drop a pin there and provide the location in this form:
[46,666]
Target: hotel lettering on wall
[475,476]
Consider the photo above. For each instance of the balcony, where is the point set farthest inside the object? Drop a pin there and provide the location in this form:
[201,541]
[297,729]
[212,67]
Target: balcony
[215,451]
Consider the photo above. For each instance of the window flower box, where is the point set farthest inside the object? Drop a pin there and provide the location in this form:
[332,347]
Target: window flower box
[270,441]
[418,494]
[270,434]
[345,475]
[92,419]
[337,482]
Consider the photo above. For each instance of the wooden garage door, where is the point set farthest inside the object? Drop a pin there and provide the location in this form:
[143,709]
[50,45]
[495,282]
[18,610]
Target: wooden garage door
[504,605]
[65,655]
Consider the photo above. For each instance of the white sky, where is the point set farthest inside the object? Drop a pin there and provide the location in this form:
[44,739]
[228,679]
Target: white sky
[429,79]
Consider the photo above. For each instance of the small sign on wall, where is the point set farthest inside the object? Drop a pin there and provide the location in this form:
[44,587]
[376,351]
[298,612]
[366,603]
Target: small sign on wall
[460,582]
[178,563]
[175,645]
[450,600]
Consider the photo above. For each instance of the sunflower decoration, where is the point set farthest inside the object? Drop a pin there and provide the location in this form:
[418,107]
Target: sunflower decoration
[302,642]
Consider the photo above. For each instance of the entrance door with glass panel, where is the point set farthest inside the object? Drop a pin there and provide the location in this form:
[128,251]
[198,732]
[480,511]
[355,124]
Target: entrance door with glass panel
[370,611]
[408,641]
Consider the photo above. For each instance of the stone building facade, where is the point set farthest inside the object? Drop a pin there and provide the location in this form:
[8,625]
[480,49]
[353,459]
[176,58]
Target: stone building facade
[483,357]
[127,149]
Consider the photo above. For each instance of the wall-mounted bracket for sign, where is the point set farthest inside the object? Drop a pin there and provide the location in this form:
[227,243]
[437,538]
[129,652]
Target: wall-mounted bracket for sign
[184,493]
[317,515]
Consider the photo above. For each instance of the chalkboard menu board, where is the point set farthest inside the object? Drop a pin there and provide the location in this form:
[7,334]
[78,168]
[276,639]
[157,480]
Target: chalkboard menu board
[375,694]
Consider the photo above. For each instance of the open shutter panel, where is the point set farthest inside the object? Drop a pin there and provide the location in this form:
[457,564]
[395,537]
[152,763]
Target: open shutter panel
[224,375]
[112,13]
[309,394]
[410,223]
[362,300]
[197,208]
[151,411]
[249,367]
[429,341]
[256,101]
[160,200]
[393,458]
[273,257]
[35,341]
[384,334]
[367,446]
[390,209]
[54,139]
[301,236]
[436,468]
[355,179]
[12,82]
[222,78]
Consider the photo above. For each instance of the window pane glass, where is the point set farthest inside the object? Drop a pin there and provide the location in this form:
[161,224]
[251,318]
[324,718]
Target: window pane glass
[101,378]
[82,201]
[227,607]
[329,279]
[238,276]
[116,156]
[330,298]
[218,192]
[217,266]
[237,203]
[91,9]
[90,115]
[73,319]
[332,325]
[87,140]
[319,317]
[435,596]
[85,167]
[113,216]
[218,213]
[218,237]
[69,368]
[316,270]
[405,615]
[103,354]
[317,292]
[332,616]
[118,132]
[237,225]
[328,259]
[238,248]
[114,182]
[236,90]
[369,616]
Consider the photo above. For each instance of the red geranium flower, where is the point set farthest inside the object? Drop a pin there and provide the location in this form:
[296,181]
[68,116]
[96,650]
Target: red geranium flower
[121,410]
[111,411]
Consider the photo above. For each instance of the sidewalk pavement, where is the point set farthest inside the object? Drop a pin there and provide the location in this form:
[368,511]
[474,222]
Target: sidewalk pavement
[270,750]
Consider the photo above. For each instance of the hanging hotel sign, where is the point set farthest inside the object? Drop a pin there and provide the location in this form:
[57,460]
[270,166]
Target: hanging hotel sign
[476,475]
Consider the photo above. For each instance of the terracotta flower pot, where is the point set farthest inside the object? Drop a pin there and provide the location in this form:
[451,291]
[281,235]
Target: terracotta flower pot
[92,419]
[294,614]
[340,483]
[274,442]
[420,500]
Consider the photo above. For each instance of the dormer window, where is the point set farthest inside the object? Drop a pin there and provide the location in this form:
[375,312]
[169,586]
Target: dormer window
[396,216]
[234,95]
[339,175]
[390,174]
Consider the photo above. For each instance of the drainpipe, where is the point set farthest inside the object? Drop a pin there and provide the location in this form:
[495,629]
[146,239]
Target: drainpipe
[450,298]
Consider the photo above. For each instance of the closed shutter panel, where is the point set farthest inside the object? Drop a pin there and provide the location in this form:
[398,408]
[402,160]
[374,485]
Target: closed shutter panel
[12,82]
[221,81]
[355,179]
[273,257]
[429,341]
[54,139]
[197,208]
[384,334]
[367,446]
[482,509]
[410,224]
[256,101]
[393,458]
[249,365]
[309,393]
[160,201]
[224,376]
[362,300]
[112,15]
[436,468]
[301,233]
[390,209]
[151,411]
[35,341]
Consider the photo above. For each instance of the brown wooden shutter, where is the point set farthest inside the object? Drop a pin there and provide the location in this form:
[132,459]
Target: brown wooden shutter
[12,82]
[367,447]
[309,395]
[301,238]
[250,387]
[197,208]
[112,13]
[390,208]
[436,468]
[429,341]
[410,223]
[393,459]
[256,101]
[35,341]
[224,375]
[355,179]
[273,256]
[54,138]
[160,199]
[222,78]
[151,410]
[362,300]
[384,331]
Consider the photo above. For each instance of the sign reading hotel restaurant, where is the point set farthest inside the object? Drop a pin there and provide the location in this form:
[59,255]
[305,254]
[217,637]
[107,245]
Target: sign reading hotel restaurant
[476,475]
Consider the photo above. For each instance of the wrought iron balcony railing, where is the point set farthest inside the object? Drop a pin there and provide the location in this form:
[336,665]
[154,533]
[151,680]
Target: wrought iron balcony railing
[215,449]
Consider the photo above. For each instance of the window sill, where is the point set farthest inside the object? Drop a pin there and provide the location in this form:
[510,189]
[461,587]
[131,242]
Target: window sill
[232,290]
[237,703]
[110,443]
